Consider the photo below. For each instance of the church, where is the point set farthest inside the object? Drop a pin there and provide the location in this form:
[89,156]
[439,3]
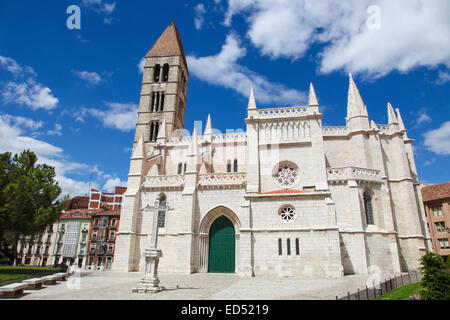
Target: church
[287,197]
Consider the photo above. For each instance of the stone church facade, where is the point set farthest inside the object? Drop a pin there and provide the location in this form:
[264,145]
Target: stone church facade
[287,197]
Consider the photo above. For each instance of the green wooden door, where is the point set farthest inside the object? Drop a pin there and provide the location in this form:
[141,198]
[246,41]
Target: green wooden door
[221,246]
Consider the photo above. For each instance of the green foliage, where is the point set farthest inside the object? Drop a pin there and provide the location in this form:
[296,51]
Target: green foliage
[28,196]
[436,278]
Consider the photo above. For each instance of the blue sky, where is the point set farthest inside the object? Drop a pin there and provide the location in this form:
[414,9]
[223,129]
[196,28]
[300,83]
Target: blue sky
[72,95]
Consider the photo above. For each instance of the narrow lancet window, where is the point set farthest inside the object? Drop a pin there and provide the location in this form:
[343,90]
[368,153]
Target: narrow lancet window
[165,72]
[156,71]
[235,165]
[368,207]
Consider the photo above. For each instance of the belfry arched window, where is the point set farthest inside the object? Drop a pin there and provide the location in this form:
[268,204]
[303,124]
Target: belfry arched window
[153,102]
[161,107]
[156,71]
[235,165]
[368,207]
[165,77]
[180,168]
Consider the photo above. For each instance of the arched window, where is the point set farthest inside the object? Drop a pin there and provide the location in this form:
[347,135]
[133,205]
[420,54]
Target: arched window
[156,71]
[153,102]
[368,207]
[229,166]
[297,247]
[156,131]
[280,247]
[157,102]
[235,165]
[180,168]
[162,200]
[165,77]
[288,243]
[161,108]
[152,125]
[184,170]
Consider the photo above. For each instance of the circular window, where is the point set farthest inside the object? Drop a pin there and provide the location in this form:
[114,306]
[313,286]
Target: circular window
[286,174]
[287,213]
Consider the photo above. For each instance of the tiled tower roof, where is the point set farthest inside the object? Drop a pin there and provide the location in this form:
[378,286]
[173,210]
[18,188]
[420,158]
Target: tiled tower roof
[168,44]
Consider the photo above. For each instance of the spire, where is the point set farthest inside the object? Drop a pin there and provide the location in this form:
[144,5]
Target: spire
[138,152]
[208,127]
[251,100]
[193,149]
[163,131]
[391,114]
[373,125]
[355,104]
[168,44]
[400,120]
[312,99]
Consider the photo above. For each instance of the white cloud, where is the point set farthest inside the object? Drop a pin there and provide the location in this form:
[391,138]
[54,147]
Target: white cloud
[56,131]
[26,91]
[222,69]
[443,77]
[120,116]
[23,122]
[438,140]
[199,15]
[141,65]
[412,32]
[423,118]
[112,183]
[13,140]
[91,77]
[10,65]
[29,93]
[101,7]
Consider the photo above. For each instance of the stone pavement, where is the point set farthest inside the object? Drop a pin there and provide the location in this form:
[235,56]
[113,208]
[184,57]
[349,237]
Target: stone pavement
[91,285]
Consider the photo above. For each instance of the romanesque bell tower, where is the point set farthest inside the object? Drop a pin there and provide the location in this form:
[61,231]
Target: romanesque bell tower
[164,88]
[161,114]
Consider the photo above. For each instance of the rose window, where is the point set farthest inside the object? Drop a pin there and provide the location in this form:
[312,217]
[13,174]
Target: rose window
[287,213]
[286,174]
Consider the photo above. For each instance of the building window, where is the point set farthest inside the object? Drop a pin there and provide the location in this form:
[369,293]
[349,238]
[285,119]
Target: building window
[161,218]
[180,168]
[235,165]
[156,71]
[161,108]
[368,207]
[287,213]
[285,174]
[288,242]
[280,247]
[229,166]
[113,223]
[297,247]
[165,77]
[444,243]
[437,211]
[440,226]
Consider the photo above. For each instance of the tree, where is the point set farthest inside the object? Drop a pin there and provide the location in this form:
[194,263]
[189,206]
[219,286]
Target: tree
[28,197]
[436,278]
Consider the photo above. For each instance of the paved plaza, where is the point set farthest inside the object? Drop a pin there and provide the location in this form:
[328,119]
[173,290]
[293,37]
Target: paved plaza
[92,285]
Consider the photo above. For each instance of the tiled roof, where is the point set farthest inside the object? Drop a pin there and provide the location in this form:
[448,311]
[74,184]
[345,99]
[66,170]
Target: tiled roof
[168,44]
[86,213]
[435,192]
[285,191]
[83,203]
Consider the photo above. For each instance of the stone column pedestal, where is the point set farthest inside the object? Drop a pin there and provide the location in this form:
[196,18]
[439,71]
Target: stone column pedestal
[150,282]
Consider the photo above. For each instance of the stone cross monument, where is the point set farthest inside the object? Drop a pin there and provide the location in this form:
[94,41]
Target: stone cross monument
[150,282]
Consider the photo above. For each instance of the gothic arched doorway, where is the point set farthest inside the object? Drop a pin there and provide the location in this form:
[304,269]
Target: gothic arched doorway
[222,244]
